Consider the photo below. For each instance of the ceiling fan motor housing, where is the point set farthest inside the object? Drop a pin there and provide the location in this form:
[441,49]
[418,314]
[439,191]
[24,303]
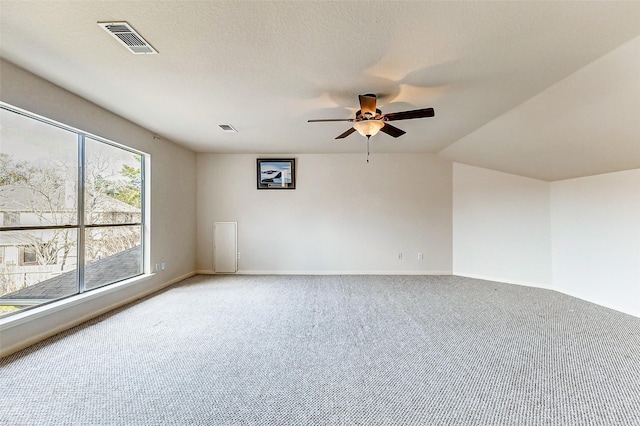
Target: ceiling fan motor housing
[368,116]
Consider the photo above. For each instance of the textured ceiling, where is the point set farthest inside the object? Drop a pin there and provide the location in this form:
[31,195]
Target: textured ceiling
[542,89]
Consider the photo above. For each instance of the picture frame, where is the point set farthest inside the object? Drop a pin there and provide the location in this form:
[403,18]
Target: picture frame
[276,173]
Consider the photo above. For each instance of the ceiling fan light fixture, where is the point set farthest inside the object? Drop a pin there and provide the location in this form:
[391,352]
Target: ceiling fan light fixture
[368,128]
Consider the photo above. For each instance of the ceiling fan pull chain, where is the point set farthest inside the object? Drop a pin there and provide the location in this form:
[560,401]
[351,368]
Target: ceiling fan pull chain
[368,148]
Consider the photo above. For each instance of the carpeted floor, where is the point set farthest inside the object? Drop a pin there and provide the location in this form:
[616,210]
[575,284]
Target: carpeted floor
[334,350]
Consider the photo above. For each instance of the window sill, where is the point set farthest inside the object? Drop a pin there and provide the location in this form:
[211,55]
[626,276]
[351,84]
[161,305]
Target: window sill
[60,305]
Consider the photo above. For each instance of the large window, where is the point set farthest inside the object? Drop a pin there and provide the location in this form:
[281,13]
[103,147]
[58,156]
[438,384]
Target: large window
[71,211]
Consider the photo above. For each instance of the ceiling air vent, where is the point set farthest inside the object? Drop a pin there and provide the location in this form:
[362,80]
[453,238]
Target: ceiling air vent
[128,37]
[227,128]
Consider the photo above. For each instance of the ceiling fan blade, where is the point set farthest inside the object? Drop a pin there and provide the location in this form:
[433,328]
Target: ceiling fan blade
[367,104]
[347,133]
[392,130]
[329,119]
[407,115]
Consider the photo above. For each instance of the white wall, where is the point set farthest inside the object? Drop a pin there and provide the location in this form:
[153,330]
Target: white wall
[595,224]
[501,227]
[345,216]
[173,192]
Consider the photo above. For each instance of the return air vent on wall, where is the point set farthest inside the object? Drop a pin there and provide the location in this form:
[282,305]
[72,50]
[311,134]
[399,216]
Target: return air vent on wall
[128,37]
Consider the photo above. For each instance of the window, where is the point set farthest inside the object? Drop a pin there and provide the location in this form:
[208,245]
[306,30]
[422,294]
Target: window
[72,210]
[29,256]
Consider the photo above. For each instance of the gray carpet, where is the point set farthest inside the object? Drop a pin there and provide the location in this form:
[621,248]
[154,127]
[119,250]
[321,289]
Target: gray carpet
[334,350]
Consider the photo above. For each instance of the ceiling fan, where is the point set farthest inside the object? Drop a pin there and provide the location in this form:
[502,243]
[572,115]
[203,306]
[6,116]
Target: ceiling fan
[369,120]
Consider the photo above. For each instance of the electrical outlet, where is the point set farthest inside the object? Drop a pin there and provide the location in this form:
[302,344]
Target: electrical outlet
[420,256]
[163,266]
[238,255]
[400,256]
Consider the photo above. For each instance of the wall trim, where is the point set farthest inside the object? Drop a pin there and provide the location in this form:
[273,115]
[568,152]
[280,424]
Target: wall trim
[22,317]
[504,280]
[600,303]
[550,287]
[271,272]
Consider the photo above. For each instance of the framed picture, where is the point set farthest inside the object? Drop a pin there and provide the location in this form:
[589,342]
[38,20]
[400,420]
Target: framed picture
[276,173]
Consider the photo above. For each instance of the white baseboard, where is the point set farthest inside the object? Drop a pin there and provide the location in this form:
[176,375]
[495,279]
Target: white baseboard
[252,272]
[271,272]
[551,287]
[504,280]
[600,303]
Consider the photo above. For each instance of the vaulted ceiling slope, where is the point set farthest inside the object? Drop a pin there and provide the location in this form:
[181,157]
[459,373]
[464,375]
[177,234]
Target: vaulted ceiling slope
[549,90]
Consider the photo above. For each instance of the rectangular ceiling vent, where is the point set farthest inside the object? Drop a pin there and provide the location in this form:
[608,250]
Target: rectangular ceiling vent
[227,128]
[128,37]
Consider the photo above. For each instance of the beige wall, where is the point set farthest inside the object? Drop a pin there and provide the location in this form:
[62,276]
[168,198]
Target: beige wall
[346,216]
[173,192]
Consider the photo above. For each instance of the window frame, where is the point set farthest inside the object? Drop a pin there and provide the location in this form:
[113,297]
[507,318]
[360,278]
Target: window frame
[80,226]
